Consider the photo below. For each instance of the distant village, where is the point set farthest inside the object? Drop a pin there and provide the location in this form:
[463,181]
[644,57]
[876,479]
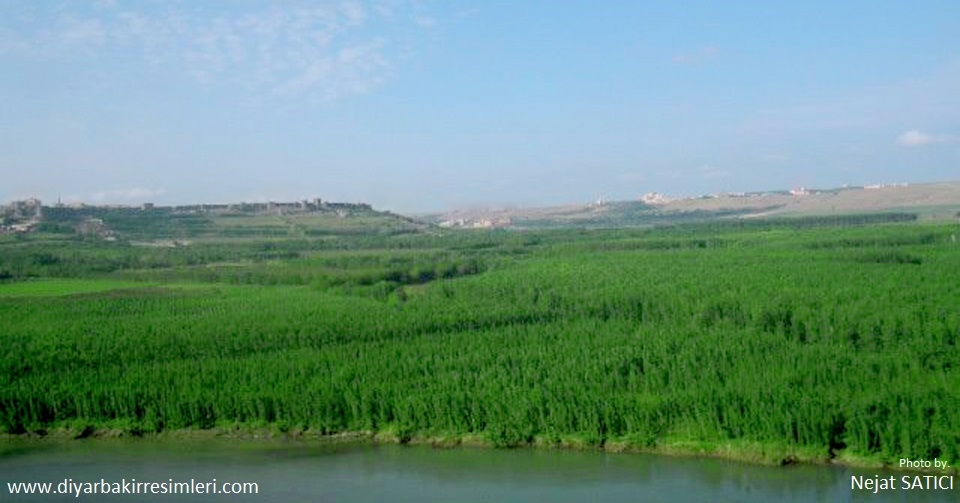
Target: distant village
[476,223]
[28,215]
[655,198]
[20,217]
[494,219]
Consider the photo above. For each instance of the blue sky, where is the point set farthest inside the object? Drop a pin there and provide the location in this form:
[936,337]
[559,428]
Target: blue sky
[420,106]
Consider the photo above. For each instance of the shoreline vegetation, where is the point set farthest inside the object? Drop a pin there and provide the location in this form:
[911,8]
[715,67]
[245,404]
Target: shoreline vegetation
[755,453]
[826,340]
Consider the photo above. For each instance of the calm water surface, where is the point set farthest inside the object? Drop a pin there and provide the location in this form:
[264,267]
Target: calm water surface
[363,473]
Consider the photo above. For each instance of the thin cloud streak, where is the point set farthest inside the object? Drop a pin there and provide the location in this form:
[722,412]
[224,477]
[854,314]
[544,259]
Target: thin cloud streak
[916,138]
[324,52]
[702,55]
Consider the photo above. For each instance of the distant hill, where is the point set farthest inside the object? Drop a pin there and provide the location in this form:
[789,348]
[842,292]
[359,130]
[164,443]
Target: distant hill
[928,200]
[178,225]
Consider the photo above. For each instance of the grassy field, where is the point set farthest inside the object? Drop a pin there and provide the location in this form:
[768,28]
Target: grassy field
[783,340]
[58,286]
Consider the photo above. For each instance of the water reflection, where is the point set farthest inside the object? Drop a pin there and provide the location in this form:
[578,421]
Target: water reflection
[361,473]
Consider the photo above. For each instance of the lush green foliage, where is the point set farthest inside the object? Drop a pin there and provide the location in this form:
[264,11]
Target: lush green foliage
[825,337]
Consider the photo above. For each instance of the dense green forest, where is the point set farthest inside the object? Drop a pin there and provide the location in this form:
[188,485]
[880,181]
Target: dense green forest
[809,338]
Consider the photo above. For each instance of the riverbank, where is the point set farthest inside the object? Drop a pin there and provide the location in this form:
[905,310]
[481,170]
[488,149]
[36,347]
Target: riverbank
[741,451]
[364,471]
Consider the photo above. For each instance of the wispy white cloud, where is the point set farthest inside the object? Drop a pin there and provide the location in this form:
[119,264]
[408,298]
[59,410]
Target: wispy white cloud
[424,21]
[354,12]
[12,42]
[697,57]
[916,138]
[322,50]
[325,52]
[83,32]
[464,13]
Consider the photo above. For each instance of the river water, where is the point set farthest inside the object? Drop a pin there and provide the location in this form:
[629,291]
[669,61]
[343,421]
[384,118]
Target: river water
[364,473]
